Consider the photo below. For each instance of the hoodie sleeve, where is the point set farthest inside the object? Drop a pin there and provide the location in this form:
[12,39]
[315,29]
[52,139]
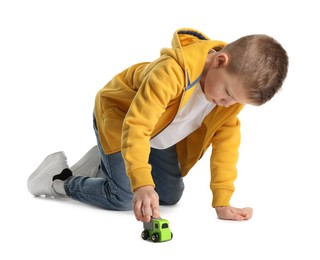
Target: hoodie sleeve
[224,157]
[162,82]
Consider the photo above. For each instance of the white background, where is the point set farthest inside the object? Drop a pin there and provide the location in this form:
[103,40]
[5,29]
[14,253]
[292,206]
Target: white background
[56,55]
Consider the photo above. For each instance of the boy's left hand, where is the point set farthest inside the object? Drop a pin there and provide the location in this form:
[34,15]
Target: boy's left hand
[232,213]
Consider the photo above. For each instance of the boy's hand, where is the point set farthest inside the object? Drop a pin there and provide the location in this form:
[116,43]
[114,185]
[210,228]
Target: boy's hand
[231,213]
[145,203]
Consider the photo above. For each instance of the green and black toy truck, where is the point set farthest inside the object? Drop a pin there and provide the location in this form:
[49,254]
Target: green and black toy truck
[157,230]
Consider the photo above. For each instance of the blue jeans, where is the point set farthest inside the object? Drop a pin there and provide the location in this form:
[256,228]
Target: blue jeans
[111,188]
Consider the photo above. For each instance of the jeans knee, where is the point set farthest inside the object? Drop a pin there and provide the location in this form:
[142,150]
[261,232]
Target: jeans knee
[171,197]
[169,202]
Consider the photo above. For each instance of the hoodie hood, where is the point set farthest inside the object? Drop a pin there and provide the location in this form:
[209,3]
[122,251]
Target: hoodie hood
[190,49]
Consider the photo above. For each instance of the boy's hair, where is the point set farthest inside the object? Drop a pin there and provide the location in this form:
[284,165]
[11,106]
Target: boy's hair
[262,64]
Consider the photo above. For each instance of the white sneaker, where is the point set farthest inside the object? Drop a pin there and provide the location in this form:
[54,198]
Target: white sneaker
[54,166]
[88,165]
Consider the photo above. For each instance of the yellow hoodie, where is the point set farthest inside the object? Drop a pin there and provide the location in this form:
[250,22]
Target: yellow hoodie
[142,100]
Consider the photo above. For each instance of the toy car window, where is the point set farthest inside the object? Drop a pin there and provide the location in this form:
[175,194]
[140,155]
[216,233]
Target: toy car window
[165,225]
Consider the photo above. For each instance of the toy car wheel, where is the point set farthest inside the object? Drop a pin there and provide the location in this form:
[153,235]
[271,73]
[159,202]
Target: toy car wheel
[155,237]
[171,235]
[145,235]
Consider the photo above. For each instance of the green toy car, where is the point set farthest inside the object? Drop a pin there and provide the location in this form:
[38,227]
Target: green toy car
[157,230]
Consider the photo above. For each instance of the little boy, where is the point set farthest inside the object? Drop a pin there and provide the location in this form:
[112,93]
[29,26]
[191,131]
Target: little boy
[154,121]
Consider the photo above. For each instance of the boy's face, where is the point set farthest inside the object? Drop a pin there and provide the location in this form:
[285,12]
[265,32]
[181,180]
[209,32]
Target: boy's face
[222,88]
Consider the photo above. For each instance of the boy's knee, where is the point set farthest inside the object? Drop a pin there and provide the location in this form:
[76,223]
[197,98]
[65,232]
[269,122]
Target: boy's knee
[170,201]
[171,197]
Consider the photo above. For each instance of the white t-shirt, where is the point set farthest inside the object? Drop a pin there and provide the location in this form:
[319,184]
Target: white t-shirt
[187,120]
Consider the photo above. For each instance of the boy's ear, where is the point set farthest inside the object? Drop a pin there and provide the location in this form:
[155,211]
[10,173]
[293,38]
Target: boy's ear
[220,60]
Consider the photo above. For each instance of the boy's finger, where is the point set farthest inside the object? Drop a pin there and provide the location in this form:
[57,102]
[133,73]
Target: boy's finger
[230,215]
[146,211]
[137,209]
[155,212]
[147,218]
[234,216]
[245,213]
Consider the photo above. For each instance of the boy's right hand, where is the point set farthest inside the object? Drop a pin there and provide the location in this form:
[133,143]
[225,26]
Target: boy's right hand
[145,203]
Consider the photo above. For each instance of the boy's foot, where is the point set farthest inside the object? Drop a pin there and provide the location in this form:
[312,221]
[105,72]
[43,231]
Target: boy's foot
[88,165]
[53,167]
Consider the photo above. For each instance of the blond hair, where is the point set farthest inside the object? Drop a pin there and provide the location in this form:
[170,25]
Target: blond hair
[260,62]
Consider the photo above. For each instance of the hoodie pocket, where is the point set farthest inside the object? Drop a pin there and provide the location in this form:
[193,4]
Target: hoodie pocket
[112,122]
